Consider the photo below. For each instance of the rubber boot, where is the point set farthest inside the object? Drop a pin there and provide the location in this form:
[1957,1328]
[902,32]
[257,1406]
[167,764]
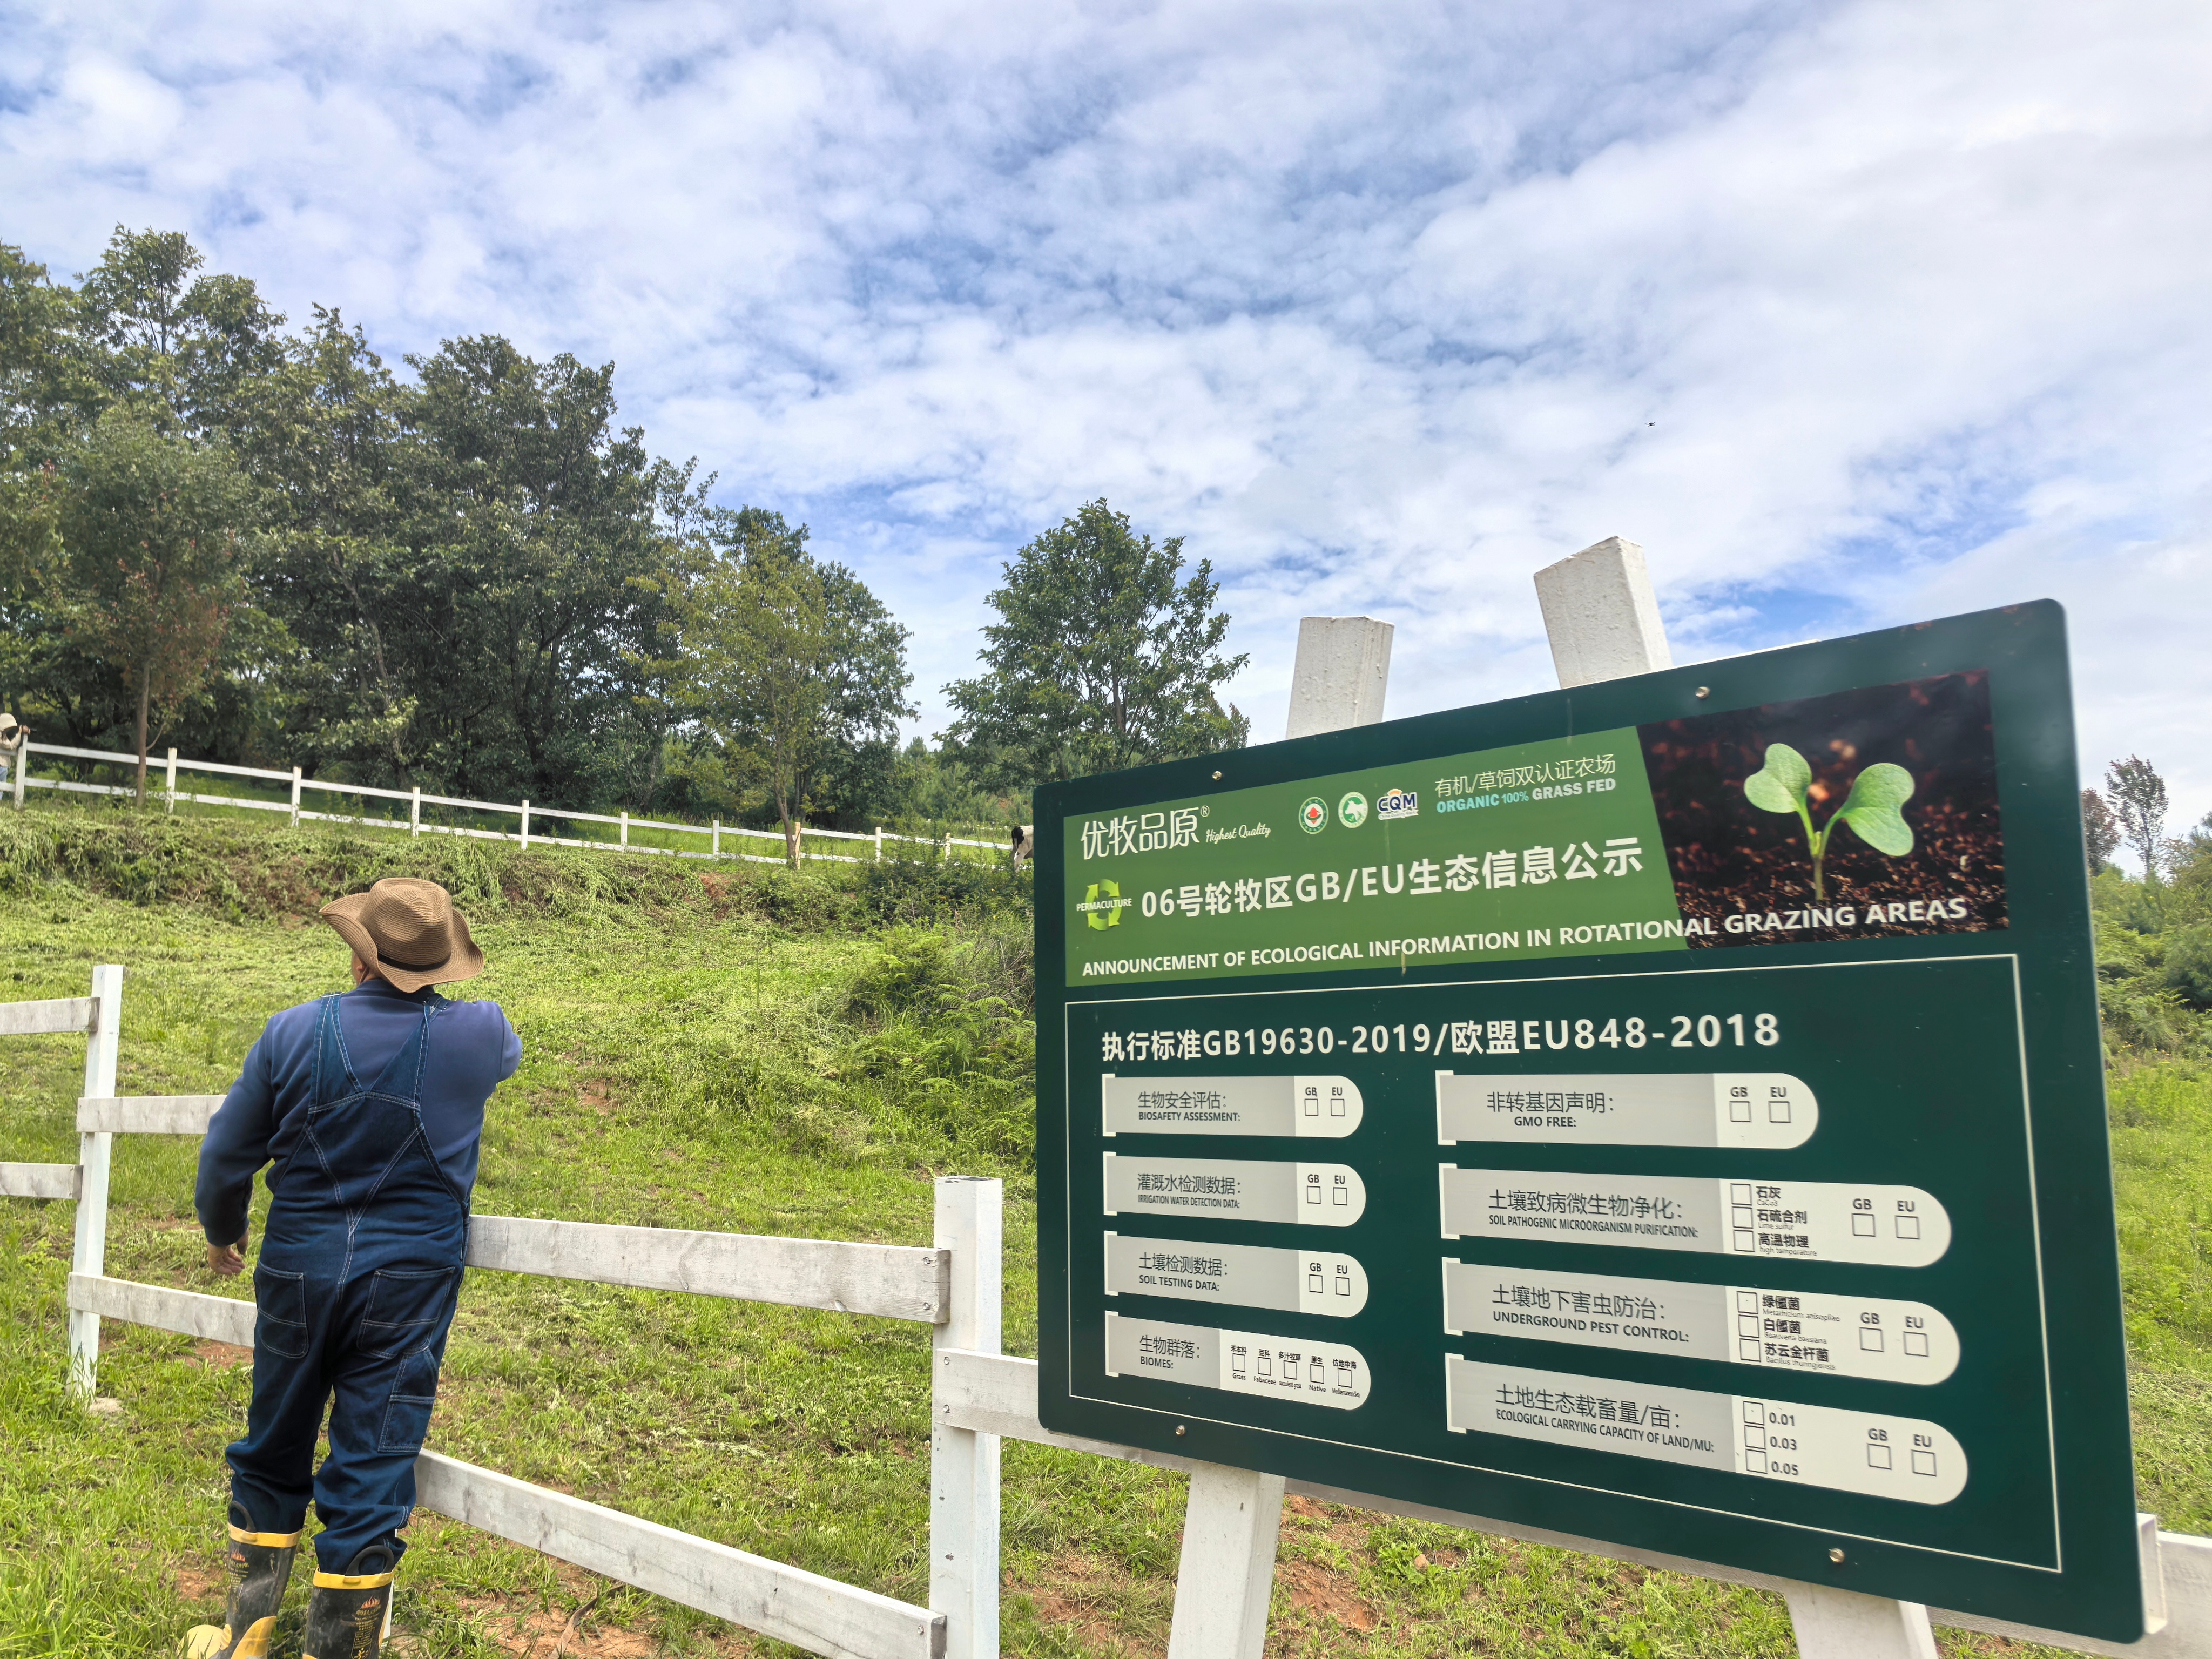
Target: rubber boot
[351,1610]
[260,1565]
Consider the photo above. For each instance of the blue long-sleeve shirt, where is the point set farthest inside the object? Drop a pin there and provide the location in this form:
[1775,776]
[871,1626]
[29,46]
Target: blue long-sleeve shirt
[473,1050]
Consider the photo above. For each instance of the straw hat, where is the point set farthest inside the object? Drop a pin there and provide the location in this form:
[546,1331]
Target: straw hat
[408,931]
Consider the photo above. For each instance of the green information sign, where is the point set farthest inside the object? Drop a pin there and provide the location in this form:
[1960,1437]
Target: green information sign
[1668,1111]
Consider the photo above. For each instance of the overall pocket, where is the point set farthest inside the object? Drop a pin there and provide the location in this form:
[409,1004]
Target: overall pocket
[281,1302]
[407,1309]
[407,1413]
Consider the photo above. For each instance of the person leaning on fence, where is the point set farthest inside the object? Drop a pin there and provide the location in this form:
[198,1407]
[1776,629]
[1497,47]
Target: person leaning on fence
[368,1107]
[13,735]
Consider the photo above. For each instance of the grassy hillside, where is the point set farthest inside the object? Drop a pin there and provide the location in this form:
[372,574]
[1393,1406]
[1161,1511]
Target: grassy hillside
[749,1052]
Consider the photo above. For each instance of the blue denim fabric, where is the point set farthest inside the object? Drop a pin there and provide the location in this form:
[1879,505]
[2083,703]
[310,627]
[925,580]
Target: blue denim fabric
[357,1282]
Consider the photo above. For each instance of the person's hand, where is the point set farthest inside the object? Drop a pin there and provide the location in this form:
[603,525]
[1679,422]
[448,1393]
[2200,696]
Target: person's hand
[228,1259]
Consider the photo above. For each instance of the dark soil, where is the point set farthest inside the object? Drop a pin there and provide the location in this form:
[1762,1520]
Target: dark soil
[1729,858]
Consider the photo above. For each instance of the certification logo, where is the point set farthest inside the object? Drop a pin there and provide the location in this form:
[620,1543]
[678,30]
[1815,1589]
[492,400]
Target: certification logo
[1102,905]
[1353,809]
[1397,804]
[1313,816]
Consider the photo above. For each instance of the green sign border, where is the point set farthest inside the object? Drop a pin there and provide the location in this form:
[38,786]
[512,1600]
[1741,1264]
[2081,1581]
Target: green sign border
[2097,1591]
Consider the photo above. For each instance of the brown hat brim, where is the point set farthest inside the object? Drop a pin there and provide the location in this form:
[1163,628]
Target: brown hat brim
[466,962]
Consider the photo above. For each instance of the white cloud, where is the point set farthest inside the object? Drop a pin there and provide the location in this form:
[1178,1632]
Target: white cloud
[1850,311]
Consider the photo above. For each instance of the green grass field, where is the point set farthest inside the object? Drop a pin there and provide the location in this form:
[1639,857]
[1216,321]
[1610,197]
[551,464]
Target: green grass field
[751,1052]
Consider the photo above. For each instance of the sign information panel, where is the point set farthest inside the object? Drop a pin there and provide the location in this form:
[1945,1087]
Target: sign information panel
[1668,1111]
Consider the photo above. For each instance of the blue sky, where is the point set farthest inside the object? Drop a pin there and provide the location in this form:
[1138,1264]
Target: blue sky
[1851,313]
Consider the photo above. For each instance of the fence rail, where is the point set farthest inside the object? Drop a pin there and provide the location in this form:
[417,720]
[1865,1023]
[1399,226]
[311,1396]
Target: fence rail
[978,1396]
[523,811]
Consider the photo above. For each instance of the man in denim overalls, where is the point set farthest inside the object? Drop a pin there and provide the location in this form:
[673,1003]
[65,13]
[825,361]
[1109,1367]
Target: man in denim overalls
[369,1107]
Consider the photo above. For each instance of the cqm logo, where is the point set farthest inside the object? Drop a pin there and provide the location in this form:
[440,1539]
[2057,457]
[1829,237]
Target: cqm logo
[1397,804]
[1102,905]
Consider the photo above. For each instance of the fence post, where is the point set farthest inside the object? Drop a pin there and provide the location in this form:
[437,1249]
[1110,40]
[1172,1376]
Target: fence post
[90,1255]
[23,770]
[625,828]
[964,1463]
[295,798]
[879,843]
[718,838]
[526,820]
[171,790]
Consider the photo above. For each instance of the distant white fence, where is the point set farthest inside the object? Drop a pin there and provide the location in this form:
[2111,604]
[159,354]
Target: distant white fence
[978,1396]
[170,766]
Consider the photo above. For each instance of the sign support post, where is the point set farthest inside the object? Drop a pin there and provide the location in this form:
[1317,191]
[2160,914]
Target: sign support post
[1603,620]
[1235,1516]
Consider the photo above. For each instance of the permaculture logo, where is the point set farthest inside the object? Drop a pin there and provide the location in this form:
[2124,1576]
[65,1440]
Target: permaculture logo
[1102,905]
[1397,804]
[1353,809]
[1313,816]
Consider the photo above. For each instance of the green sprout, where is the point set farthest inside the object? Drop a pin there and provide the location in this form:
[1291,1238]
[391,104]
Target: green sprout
[1780,786]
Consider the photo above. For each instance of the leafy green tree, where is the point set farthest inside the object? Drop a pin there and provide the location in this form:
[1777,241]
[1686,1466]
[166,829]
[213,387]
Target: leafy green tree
[183,346]
[791,663]
[1103,657]
[2100,830]
[2139,802]
[150,528]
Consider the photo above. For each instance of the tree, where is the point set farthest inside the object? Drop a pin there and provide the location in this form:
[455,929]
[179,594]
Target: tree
[2100,830]
[1102,659]
[791,663]
[2138,798]
[181,345]
[150,527]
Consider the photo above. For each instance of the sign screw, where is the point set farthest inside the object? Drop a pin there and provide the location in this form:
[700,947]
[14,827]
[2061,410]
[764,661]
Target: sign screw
[1836,1555]
[1704,690]
[1179,1429]
[1217,776]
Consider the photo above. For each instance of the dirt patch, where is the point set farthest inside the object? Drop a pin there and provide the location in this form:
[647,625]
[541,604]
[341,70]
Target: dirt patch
[197,1580]
[1325,1592]
[222,1356]
[1075,1593]
[543,1633]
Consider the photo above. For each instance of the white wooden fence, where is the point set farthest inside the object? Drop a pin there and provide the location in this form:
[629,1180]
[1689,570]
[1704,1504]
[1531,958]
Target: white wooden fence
[523,811]
[978,1397]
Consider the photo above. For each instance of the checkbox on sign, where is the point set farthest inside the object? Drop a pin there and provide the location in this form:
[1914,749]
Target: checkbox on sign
[1923,1462]
[1908,1226]
[1862,1226]
[1877,1456]
[1870,1337]
[1916,1343]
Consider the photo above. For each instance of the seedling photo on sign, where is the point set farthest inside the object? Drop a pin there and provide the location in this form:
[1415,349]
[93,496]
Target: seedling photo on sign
[1666,1112]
